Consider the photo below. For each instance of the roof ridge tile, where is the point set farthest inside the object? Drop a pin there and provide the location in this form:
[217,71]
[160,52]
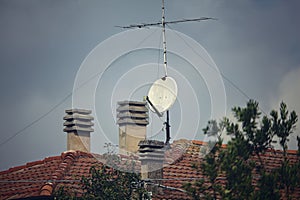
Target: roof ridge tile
[67,159]
[38,162]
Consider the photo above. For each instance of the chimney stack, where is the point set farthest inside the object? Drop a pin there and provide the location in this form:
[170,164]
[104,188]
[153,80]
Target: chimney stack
[151,153]
[132,120]
[78,125]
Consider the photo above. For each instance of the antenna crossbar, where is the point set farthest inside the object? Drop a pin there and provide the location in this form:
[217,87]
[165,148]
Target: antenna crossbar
[144,25]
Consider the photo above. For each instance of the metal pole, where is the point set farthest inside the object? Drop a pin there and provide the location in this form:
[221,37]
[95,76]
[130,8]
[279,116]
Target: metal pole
[165,66]
[164,37]
[168,137]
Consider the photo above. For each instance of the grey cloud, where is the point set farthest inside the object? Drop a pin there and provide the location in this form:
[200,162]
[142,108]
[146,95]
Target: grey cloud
[42,44]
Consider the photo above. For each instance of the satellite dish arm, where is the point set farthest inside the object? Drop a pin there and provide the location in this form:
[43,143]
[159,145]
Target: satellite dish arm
[155,109]
[167,123]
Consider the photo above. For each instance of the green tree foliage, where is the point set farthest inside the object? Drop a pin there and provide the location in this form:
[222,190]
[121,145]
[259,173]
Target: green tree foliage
[251,136]
[284,125]
[267,187]
[108,181]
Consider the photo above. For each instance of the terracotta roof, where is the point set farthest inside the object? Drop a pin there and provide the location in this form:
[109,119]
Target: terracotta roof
[181,171]
[45,176]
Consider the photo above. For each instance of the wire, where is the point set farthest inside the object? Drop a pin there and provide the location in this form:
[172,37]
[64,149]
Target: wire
[169,187]
[223,75]
[146,38]
[62,101]
[36,120]
[77,180]
[172,179]
[48,112]
[38,181]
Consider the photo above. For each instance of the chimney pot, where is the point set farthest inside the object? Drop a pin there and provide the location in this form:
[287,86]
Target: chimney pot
[78,125]
[132,120]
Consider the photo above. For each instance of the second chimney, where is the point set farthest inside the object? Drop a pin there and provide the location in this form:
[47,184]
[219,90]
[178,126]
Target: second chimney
[78,125]
[132,120]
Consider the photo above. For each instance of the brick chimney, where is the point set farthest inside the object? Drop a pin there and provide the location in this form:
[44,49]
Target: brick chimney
[151,153]
[132,120]
[78,125]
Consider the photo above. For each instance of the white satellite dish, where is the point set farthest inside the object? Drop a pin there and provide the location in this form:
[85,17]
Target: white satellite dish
[162,94]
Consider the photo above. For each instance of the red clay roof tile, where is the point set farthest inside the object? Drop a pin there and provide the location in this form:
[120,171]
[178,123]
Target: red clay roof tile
[45,176]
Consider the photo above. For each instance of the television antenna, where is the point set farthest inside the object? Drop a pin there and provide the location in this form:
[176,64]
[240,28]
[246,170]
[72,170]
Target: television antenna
[163,92]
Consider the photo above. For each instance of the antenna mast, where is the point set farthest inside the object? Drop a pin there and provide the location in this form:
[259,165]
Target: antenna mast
[163,24]
[164,37]
[167,123]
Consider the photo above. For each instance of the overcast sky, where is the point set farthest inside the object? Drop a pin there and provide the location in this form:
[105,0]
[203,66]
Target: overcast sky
[43,43]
